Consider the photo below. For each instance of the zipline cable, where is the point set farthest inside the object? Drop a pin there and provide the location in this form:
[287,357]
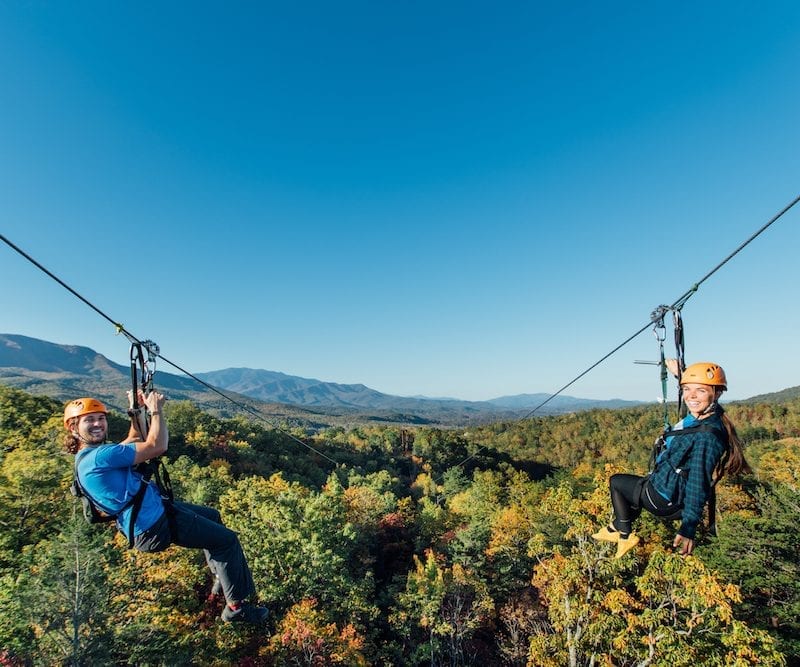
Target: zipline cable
[118,326]
[676,306]
[133,339]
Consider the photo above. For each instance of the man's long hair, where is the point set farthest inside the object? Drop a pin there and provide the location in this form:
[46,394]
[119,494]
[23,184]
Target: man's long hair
[72,443]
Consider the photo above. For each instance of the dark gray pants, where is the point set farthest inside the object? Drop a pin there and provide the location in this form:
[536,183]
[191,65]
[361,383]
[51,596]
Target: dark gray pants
[200,527]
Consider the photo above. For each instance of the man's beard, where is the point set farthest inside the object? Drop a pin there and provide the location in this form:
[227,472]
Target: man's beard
[94,438]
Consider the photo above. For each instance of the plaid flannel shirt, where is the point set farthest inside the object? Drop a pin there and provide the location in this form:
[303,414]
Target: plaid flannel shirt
[683,472]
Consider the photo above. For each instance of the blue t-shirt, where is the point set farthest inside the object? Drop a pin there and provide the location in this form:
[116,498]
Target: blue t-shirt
[106,474]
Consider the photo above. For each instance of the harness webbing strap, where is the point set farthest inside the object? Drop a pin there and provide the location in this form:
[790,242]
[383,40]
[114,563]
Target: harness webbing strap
[677,321]
[137,505]
[155,469]
[660,332]
[137,412]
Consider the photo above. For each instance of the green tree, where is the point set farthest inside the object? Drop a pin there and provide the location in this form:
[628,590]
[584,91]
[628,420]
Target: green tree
[62,597]
[32,488]
[159,608]
[201,485]
[22,415]
[440,611]
[301,546]
[761,554]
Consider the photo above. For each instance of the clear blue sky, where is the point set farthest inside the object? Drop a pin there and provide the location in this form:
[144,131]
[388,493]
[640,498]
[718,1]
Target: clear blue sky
[466,199]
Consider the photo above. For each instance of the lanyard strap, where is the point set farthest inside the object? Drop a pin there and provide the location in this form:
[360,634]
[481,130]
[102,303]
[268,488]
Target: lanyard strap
[142,372]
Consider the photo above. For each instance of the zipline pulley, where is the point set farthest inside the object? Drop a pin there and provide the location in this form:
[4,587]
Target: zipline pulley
[660,332]
[143,368]
[142,372]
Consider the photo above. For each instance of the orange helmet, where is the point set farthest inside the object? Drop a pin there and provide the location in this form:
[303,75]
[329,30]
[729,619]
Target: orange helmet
[704,372]
[82,406]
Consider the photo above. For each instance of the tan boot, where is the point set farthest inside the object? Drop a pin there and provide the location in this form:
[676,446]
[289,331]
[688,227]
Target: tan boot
[624,545]
[605,534]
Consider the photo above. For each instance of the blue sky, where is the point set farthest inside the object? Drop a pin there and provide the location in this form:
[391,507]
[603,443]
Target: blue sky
[464,199]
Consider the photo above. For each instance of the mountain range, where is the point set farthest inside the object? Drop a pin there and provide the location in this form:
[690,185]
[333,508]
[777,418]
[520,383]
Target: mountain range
[67,371]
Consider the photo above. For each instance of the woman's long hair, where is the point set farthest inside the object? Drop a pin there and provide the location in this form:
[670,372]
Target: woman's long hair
[733,461]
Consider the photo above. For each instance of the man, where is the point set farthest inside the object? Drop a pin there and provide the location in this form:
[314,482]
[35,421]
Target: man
[107,476]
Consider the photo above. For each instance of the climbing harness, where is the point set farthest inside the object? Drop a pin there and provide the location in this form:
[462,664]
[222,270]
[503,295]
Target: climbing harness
[660,456]
[661,453]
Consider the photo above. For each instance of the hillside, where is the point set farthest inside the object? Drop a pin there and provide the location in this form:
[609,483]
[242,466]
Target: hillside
[281,388]
[64,371]
[775,397]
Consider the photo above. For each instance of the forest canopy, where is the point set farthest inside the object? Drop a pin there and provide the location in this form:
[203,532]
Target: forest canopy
[418,546]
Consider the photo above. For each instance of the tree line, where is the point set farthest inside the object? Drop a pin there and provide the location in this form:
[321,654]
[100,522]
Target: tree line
[418,546]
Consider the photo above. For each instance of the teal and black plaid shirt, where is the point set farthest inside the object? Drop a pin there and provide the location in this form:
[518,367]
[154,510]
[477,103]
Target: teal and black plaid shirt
[684,470]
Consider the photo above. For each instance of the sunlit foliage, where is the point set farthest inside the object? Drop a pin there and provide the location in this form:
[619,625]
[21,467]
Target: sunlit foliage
[420,546]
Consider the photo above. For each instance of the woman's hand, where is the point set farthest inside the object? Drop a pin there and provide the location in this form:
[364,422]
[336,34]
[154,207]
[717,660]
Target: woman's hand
[683,545]
[672,366]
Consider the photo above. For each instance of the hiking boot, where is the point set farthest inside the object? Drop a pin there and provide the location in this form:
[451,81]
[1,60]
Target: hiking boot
[605,534]
[246,613]
[625,544]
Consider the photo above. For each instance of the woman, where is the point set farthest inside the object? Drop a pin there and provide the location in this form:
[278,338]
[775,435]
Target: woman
[698,451]
[107,476]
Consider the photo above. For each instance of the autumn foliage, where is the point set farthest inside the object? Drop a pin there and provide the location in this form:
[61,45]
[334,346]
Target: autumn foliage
[417,547]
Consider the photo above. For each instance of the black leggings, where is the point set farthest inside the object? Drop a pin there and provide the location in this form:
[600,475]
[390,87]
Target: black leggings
[630,494]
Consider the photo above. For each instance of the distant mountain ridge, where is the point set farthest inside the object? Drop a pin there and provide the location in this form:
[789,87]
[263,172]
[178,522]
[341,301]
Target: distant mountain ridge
[279,387]
[67,371]
[282,388]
